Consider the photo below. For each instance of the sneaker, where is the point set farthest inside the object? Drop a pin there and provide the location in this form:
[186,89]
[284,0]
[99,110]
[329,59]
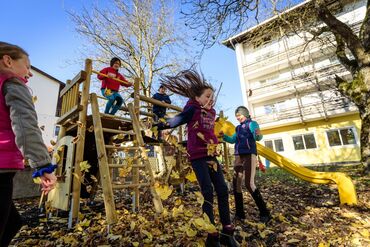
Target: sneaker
[213,240]
[227,238]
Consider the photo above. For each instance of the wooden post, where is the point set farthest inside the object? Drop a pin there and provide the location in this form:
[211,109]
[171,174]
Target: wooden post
[104,172]
[135,170]
[140,141]
[81,131]
[137,96]
[227,160]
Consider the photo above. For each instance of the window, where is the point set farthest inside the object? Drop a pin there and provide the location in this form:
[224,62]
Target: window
[275,107]
[279,146]
[269,144]
[275,145]
[340,137]
[302,142]
[56,130]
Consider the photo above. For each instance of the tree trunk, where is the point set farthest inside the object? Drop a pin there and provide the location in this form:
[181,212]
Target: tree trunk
[365,119]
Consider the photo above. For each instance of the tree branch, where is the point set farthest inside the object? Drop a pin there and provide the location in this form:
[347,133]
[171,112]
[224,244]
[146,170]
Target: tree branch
[350,65]
[344,31]
[365,28]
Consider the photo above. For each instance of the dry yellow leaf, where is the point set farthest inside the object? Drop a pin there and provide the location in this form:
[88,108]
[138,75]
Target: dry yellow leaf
[56,157]
[191,176]
[365,233]
[200,197]
[84,166]
[132,225]
[163,191]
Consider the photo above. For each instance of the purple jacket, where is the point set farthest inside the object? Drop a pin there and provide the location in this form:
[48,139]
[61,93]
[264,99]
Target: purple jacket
[10,155]
[198,120]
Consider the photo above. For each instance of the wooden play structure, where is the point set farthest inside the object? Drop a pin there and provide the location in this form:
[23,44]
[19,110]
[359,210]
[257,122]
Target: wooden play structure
[87,135]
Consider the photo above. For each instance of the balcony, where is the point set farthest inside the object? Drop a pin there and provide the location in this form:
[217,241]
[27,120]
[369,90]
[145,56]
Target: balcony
[303,82]
[311,112]
[273,62]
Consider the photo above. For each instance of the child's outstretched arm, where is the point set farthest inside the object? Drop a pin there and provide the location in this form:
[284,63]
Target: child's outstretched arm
[255,129]
[229,139]
[184,117]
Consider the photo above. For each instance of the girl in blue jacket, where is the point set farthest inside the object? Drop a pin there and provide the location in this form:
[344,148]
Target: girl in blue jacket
[245,137]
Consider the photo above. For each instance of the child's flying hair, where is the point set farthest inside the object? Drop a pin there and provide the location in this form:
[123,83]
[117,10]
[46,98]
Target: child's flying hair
[188,83]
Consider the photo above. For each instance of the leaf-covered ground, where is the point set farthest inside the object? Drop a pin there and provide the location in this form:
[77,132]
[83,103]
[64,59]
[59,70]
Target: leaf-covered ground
[304,215]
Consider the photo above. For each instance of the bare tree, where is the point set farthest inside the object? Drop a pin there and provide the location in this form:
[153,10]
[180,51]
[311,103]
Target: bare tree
[215,19]
[141,33]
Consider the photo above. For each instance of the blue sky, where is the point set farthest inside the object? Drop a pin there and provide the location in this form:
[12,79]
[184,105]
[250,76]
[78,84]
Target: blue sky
[45,31]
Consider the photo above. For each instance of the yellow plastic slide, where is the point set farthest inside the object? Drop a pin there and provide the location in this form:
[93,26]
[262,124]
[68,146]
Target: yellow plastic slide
[346,189]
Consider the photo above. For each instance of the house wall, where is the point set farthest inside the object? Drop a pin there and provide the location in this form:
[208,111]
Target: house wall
[47,92]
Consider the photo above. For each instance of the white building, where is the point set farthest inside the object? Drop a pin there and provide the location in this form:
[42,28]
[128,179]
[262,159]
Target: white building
[46,88]
[288,87]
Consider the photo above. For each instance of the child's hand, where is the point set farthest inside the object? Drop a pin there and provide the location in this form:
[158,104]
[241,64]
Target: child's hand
[48,181]
[221,134]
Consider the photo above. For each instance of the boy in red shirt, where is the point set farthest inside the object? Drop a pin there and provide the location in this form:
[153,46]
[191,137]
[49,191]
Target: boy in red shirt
[110,86]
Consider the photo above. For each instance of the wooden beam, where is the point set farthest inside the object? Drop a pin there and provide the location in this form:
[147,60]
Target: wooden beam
[80,77]
[157,102]
[69,114]
[81,131]
[105,179]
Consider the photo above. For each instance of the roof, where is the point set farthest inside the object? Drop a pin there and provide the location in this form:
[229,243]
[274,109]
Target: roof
[240,37]
[47,75]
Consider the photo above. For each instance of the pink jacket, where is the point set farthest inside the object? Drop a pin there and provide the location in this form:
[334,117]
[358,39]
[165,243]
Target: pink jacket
[10,155]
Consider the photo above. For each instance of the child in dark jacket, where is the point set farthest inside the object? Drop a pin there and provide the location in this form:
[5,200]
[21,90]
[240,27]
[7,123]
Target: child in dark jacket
[110,86]
[160,111]
[20,136]
[245,137]
[199,116]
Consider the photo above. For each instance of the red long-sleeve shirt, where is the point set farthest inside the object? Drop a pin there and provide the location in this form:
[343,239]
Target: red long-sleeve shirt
[109,82]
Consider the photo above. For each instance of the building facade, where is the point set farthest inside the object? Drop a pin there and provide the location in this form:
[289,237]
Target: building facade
[288,85]
[46,89]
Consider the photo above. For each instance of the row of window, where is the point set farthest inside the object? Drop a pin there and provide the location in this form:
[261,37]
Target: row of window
[335,137]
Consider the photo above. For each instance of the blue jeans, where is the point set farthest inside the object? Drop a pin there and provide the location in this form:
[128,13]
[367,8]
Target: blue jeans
[115,102]
[207,176]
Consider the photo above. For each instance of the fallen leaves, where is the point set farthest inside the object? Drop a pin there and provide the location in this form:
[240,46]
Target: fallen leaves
[299,219]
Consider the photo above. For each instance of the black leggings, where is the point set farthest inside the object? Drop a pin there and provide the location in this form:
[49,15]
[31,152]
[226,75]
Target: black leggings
[210,180]
[10,220]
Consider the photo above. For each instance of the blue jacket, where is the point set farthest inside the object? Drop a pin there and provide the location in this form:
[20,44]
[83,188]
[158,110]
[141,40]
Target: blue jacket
[245,137]
[160,111]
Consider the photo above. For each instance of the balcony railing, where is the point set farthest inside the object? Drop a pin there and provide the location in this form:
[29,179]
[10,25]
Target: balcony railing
[269,58]
[305,78]
[329,107]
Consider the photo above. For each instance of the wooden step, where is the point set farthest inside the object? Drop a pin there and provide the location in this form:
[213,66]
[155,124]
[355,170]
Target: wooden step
[125,186]
[123,165]
[114,131]
[121,148]
[124,119]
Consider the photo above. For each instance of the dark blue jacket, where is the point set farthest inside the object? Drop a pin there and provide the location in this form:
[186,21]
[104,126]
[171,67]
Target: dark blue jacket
[160,111]
[245,137]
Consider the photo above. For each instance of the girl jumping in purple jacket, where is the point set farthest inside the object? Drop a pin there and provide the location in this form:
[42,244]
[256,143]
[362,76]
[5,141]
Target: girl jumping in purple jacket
[199,116]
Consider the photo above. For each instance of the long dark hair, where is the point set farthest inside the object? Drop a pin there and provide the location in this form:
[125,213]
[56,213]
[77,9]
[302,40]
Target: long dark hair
[188,83]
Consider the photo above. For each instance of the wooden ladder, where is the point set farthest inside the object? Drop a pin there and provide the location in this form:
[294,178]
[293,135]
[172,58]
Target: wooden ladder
[104,166]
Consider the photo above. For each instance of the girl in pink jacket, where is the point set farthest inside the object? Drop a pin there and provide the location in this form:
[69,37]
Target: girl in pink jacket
[20,136]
